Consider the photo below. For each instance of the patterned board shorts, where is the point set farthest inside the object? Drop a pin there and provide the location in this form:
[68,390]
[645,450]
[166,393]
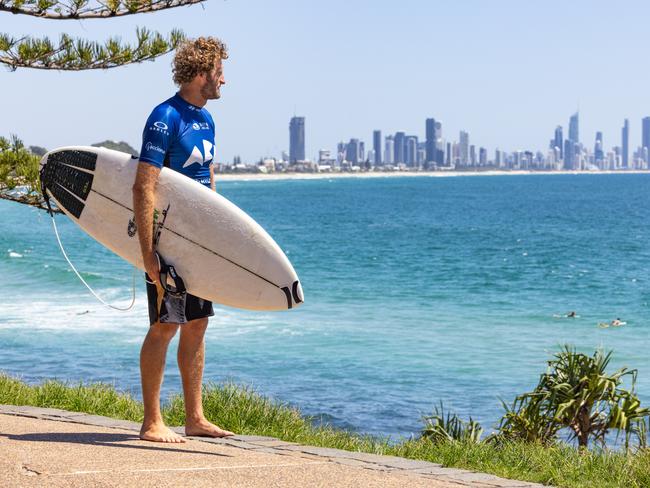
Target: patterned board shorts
[168,308]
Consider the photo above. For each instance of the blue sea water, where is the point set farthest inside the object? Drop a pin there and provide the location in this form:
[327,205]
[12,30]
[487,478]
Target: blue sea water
[418,290]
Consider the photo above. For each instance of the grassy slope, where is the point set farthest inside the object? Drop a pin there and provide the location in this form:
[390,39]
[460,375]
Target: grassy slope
[244,411]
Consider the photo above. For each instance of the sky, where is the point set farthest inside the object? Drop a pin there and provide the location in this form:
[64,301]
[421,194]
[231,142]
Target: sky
[506,71]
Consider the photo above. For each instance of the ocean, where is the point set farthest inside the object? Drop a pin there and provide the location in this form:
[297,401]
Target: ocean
[418,290]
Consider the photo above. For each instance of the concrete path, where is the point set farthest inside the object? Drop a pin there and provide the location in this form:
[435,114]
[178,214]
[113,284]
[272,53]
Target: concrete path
[56,448]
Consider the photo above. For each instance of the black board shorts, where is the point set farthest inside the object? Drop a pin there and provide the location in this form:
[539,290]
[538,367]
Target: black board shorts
[170,309]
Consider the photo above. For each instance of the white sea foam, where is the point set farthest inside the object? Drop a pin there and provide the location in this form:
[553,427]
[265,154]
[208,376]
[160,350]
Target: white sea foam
[74,312]
[80,311]
[239,329]
[13,254]
[291,332]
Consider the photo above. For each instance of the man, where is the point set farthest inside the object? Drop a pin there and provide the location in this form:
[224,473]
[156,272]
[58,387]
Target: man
[179,134]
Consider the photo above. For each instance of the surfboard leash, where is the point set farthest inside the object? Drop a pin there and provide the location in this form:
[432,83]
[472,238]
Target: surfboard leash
[114,307]
[46,197]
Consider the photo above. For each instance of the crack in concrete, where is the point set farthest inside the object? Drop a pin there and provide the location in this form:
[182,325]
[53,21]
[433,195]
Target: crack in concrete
[27,471]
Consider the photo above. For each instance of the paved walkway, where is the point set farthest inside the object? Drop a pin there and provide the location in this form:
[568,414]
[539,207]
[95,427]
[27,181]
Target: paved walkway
[55,448]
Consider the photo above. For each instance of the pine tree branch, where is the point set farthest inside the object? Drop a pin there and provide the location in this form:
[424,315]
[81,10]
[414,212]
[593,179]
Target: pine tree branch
[88,9]
[19,173]
[31,200]
[79,54]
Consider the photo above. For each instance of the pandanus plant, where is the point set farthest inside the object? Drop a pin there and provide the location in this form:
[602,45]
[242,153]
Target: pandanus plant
[444,427]
[577,393]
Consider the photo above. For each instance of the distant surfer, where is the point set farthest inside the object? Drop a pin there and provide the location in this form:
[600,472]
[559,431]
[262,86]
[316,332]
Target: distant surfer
[178,134]
[569,315]
[617,322]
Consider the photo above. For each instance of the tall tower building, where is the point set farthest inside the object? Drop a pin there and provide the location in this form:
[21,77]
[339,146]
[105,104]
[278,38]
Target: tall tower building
[440,145]
[411,150]
[297,139]
[400,147]
[376,145]
[599,154]
[431,141]
[464,148]
[645,136]
[482,156]
[389,150]
[558,140]
[574,128]
[352,151]
[571,155]
[625,144]
[568,154]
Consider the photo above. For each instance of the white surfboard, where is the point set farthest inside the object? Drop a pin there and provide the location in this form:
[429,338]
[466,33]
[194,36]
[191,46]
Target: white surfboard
[220,252]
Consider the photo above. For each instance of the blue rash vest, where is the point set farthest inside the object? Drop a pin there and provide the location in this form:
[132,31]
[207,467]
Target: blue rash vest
[180,135]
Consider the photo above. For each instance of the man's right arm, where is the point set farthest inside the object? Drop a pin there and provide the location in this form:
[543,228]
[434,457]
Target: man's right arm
[143,206]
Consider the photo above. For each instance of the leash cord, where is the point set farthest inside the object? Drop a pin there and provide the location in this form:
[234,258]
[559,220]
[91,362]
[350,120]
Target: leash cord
[120,309]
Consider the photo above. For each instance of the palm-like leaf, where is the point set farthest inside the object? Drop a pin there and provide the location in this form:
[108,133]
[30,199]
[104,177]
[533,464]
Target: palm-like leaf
[577,393]
[444,427]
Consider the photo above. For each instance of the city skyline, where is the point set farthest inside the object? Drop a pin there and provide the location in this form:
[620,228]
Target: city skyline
[437,152]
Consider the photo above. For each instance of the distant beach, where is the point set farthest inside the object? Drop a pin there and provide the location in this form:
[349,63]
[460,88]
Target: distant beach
[393,174]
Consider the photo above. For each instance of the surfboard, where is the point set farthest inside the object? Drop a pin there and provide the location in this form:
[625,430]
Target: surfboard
[220,252]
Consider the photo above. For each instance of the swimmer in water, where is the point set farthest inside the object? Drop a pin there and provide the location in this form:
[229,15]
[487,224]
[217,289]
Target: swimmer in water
[571,315]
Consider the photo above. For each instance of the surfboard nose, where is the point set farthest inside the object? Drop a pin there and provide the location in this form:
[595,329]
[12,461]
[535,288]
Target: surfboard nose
[296,292]
[293,294]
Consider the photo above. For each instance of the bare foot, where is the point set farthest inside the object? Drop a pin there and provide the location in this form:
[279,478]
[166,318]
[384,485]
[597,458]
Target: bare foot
[160,433]
[203,428]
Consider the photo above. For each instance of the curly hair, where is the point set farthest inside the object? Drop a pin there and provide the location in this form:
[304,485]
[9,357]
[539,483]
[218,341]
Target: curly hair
[197,56]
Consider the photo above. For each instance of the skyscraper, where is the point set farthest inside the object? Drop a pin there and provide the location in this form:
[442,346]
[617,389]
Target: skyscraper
[389,150]
[400,147]
[464,148]
[297,139]
[440,145]
[599,154]
[431,141]
[497,158]
[568,154]
[411,150]
[352,151]
[376,145]
[574,129]
[482,156]
[645,135]
[558,140]
[625,144]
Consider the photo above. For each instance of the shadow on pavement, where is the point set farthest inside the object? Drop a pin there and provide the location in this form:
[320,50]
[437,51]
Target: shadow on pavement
[103,439]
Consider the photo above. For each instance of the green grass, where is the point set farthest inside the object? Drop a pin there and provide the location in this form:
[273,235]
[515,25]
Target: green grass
[244,411]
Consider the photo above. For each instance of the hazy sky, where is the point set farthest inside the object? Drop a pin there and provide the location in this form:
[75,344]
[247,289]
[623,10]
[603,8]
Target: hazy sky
[507,71]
